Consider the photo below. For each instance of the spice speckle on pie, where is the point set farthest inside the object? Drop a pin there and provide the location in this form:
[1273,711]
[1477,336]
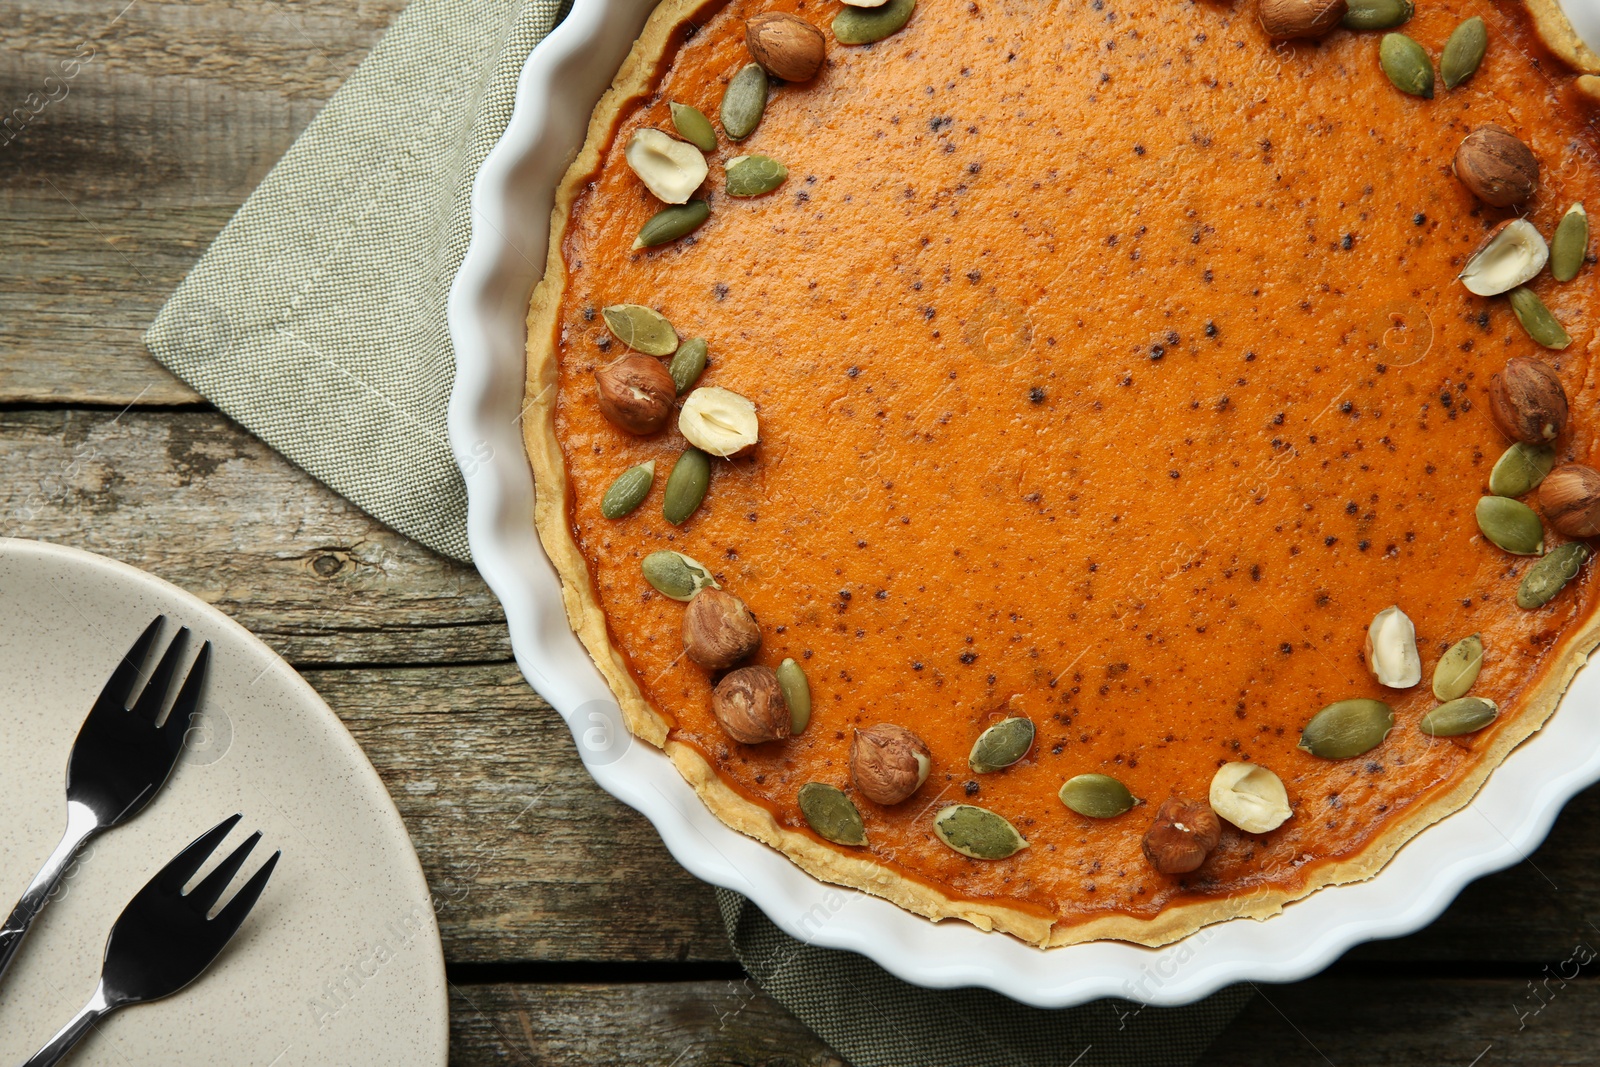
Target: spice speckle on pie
[1102,366]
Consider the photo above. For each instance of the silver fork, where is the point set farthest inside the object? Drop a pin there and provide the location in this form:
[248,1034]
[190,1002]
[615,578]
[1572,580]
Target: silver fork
[119,761]
[163,939]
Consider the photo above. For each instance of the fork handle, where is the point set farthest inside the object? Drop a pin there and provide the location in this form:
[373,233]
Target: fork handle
[80,1024]
[81,825]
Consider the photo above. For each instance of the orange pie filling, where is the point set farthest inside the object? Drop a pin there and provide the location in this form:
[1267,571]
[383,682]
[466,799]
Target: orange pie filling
[1112,372]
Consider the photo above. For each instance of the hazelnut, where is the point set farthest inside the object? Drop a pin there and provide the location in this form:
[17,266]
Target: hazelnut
[786,46]
[749,704]
[718,630]
[719,422]
[1496,167]
[636,393]
[1570,497]
[1527,401]
[1183,833]
[888,763]
[1285,19]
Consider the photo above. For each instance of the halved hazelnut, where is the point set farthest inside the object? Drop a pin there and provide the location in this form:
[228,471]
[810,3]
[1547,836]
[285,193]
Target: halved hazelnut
[1392,649]
[719,422]
[748,703]
[1527,401]
[1496,167]
[1183,834]
[1286,19]
[787,46]
[1570,499]
[669,168]
[888,763]
[1513,253]
[1250,797]
[636,393]
[719,630]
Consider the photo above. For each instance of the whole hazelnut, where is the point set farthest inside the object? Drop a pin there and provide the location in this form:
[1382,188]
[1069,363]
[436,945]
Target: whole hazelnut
[1570,497]
[1286,19]
[1496,167]
[1527,401]
[718,630]
[888,763]
[787,47]
[636,393]
[1183,834]
[749,705]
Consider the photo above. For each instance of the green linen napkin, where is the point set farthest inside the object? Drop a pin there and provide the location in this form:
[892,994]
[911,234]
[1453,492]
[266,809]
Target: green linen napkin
[317,320]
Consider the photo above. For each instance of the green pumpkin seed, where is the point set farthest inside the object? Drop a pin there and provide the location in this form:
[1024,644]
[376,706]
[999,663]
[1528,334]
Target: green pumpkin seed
[1001,745]
[641,329]
[672,222]
[1347,728]
[743,102]
[1551,574]
[1458,668]
[1520,469]
[628,491]
[1537,320]
[796,694]
[687,366]
[1099,796]
[831,814]
[863,25]
[1570,244]
[676,575]
[1463,52]
[1460,716]
[686,486]
[754,175]
[693,126]
[1510,525]
[977,832]
[1407,65]
[1377,14]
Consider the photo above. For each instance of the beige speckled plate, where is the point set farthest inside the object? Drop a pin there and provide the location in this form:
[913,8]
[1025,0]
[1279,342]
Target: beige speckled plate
[340,961]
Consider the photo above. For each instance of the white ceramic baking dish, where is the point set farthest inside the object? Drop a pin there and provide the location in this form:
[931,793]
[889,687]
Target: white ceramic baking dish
[560,84]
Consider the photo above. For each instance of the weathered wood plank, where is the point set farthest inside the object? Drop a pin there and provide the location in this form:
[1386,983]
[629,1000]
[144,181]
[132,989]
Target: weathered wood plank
[1337,1020]
[130,141]
[193,498]
[527,858]
[678,1024]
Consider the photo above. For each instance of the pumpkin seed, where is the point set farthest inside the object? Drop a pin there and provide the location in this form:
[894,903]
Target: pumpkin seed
[1463,52]
[743,102]
[1551,574]
[754,175]
[1377,14]
[672,222]
[693,126]
[1458,668]
[675,575]
[1570,244]
[628,491]
[796,694]
[1460,716]
[1520,469]
[686,486]
[1537,320]
[1099,796]
[687,366]
[863,25]
[1001,745]
[832,814]
[1510,525]
[1347,728]
[641,329]
[1407,65]
[977,832]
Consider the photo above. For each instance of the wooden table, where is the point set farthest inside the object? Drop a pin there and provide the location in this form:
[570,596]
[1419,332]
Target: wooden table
[572,936]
